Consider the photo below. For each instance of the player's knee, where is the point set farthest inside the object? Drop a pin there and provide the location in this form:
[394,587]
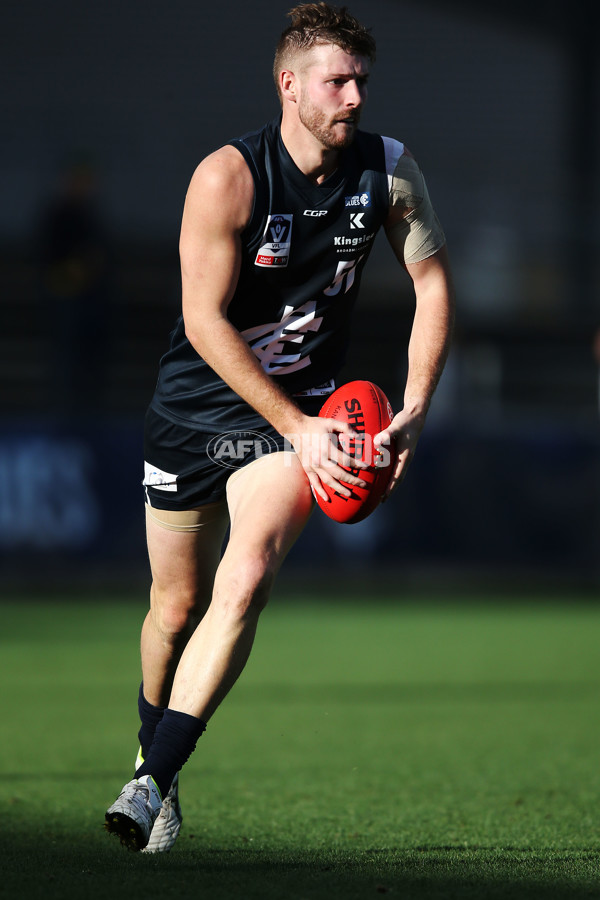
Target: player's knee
[174,612]
[247,585]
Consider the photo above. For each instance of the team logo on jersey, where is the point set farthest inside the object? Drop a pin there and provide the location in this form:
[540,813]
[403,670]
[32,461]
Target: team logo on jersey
[276,241]
[361,200]
[276,344]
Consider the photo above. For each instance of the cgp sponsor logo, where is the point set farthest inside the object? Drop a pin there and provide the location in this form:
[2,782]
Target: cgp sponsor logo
[358,200]
[234,448]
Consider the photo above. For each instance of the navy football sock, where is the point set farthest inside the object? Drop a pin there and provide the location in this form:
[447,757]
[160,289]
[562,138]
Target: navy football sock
[150,716]
[174,742]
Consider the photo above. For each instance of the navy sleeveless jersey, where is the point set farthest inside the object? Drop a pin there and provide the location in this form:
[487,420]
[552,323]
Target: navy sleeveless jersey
[304,250]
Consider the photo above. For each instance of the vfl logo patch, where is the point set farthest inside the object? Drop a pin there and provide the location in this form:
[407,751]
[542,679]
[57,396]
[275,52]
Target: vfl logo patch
[276,241]
[363,200]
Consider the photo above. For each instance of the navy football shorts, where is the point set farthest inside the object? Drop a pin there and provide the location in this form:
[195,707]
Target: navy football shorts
[185,468]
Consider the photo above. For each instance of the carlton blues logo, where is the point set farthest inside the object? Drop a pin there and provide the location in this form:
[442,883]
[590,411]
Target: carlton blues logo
[358,200]
[276,241]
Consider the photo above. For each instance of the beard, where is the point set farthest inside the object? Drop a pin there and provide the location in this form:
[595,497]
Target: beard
[324,129]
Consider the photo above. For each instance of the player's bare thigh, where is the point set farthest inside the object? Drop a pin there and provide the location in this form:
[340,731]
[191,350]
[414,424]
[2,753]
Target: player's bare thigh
[269,502]
[184,549]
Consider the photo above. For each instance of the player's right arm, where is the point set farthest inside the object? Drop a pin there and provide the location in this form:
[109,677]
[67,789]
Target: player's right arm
[218,207]
[418,241]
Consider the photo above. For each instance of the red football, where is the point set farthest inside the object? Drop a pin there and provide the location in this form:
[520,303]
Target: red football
[365,407]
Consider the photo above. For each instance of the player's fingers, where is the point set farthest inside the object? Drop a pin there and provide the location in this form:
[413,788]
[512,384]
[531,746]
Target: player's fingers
[334,427]
[343,457]
[384,437]
[319,476]
[353,480]
[336,476]
[346,446]
[398,474]
[324,478]
[338,427]
[317,487]
[383,447]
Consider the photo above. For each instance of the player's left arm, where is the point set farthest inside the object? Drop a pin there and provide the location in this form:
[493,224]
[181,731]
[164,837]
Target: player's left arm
[419,243]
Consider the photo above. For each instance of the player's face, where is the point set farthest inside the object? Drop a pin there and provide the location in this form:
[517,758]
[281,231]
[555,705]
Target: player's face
[333,91]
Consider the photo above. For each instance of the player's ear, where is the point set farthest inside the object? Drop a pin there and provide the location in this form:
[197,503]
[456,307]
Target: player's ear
[287,83]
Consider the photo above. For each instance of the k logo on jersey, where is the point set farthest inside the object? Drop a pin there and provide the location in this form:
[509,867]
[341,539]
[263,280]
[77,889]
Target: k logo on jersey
[356,220]
[276,241]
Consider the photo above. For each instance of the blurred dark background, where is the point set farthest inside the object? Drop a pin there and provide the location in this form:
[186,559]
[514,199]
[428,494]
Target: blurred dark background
[106,111]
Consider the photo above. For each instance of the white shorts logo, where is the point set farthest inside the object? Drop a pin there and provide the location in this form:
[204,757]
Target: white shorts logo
[156,478]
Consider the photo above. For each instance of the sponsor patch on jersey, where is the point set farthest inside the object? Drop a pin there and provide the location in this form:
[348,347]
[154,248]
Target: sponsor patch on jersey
[358,200]
[276,241]
[343,241]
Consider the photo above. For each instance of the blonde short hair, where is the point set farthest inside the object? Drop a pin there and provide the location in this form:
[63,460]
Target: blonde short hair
[319,23]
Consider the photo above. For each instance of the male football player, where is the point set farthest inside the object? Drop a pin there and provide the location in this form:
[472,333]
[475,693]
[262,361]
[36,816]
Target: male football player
[276,231]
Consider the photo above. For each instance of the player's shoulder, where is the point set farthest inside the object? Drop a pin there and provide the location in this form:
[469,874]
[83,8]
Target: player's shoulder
[394,152]
[222,181]
[405,178]
[236,165]
[224,169]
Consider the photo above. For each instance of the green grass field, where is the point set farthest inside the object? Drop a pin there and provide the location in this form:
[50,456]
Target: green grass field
[422,749]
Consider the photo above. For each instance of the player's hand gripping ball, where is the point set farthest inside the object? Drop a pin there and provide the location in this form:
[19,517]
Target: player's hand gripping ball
[364,406]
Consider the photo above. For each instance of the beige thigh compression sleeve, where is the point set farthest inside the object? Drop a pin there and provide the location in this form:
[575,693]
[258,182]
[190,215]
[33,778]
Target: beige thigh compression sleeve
[188,519]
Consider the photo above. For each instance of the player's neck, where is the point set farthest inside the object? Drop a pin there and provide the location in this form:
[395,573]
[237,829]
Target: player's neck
[313,160]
